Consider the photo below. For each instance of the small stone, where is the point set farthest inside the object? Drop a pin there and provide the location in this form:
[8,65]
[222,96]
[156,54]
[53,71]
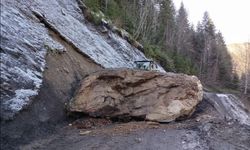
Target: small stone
[197,119]
[153,123]
[63,13]
[104,29]
[84,132]
[138,140]
[154,127]
[65,70]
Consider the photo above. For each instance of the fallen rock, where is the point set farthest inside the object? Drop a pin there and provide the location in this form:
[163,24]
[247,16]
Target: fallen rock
[90,123]
[148,95]
[153,123]
[84,132]
[138,140]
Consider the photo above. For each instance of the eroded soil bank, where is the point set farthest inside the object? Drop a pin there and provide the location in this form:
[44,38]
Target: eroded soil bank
[63,72]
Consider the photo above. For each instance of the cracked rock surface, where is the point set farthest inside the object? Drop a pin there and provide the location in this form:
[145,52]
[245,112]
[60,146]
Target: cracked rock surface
[149,95]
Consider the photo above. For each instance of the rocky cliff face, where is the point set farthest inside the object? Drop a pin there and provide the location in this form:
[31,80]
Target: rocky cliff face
[47,48]
[30,30]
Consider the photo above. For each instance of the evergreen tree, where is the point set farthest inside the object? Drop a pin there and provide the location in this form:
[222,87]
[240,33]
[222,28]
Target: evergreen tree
[225,72]
[183,33]
[169,39]
[209,53]
[198,41]
[167,28]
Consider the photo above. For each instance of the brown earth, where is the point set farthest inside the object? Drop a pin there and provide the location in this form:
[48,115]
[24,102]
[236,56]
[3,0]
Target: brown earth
[62,75]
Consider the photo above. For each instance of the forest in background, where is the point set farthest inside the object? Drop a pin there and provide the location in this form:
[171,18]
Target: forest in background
[171,40]
[240,53]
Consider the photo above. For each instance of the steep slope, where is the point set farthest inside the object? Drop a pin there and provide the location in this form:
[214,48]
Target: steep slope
[26,39]
[47,47]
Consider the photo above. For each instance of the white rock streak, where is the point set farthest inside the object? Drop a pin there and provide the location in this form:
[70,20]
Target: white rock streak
[25,40]
[21,99]
[234,108]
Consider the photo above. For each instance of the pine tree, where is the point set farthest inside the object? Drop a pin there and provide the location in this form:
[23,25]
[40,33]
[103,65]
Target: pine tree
[224,63]
[167,28]
[183,33]
[209,53]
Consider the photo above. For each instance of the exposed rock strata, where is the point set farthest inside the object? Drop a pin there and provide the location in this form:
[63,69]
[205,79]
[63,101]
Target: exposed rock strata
[155,96]
[26,40]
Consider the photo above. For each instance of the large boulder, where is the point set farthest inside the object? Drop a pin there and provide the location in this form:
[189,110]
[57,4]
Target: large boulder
[149,95]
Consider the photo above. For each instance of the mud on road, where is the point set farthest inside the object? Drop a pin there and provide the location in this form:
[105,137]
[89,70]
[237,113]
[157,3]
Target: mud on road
[205,130]
[151,136]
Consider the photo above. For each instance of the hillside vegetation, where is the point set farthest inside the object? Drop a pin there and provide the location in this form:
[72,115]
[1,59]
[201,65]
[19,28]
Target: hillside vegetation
[169,38]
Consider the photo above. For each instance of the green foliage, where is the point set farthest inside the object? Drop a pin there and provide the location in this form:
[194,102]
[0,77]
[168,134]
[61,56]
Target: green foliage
[170,61]
[225,74]
[126,23]
[97,17]
[165,42]
[235,82]
[113,11]
[184,65]
[94,5]
[159,56]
